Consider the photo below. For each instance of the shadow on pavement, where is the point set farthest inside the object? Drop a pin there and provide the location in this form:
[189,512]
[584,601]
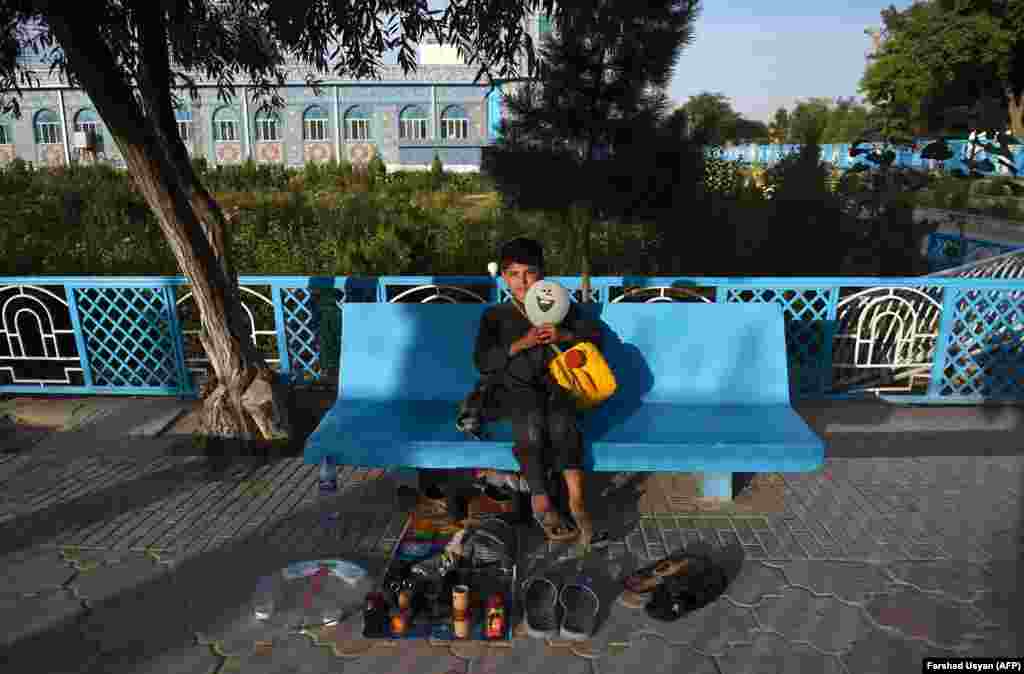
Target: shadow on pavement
[200,594]
[877,429]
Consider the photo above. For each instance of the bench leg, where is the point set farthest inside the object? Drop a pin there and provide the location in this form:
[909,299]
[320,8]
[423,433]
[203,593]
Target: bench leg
[717,486]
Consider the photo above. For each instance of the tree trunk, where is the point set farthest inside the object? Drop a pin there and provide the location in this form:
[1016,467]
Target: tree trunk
[244,398]
[1016,105]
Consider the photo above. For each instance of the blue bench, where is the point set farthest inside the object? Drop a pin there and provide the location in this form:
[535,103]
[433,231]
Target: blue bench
[703,388]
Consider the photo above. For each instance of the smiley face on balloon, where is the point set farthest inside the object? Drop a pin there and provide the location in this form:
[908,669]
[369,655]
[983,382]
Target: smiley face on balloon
[547,303]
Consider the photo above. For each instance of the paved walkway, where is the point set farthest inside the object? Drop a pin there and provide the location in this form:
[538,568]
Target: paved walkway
[131,555]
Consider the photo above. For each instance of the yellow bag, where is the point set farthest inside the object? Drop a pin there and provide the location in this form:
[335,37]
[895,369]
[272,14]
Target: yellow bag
[591,383]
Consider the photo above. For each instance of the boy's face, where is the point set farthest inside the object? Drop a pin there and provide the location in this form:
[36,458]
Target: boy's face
[520,277]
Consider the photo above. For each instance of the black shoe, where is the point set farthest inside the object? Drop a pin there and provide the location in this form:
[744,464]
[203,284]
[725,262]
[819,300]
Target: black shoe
[541,608]
[681,594]
[580,606]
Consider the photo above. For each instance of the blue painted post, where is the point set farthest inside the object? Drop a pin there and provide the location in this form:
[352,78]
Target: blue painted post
[717,486]
[185,388]
[950,296]
[76,325]
[282,341]
[830,335]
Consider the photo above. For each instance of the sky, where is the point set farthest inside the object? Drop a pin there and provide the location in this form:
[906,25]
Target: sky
[763,54]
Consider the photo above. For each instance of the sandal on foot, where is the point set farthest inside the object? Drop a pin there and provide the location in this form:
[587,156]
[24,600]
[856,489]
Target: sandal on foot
[580,606]
[682,594]
[555,528]
[584,525]
[541,608]
[648,578]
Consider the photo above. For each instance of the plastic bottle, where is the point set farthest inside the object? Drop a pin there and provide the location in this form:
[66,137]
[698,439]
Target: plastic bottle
[328,476]
[495,625]
[263,600]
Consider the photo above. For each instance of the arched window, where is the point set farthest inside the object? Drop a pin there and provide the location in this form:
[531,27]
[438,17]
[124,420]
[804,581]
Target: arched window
[357,123]
[47,127]
[314,123]
[184,119]
[455,123]
[412,123]
[86,120]
[225,125]
[267,122]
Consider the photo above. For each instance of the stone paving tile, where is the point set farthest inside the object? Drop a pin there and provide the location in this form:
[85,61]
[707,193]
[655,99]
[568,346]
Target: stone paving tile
[956,578]
[135,605]
[186,659]
[772,654]
[939,621]
[526,655]
[755,580]
[884,651]
[22,618]
[850,581]
[38,570]
[1001,603]
[110,574]
[289,655]
[825,622]
[712,628]
[650,653]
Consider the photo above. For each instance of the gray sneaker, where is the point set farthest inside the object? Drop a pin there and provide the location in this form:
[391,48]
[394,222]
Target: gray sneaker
[541,607]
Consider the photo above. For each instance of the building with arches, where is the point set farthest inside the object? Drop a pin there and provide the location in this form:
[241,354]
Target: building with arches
[405,118]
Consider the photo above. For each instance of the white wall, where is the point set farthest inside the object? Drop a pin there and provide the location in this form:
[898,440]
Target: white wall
[433,54]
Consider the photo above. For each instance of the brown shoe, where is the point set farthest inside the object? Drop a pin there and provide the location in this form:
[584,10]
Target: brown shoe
[555,528]
[648,578]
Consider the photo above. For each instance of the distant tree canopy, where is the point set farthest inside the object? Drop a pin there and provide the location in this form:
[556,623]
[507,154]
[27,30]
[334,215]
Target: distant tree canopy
[941,55]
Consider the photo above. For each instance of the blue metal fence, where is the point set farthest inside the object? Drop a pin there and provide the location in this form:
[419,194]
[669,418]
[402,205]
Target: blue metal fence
[838,154]
[914,339]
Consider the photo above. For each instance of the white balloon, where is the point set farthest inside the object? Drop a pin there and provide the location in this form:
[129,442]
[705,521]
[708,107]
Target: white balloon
[546,302]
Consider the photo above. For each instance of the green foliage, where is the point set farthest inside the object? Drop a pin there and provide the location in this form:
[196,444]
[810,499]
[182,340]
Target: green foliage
[723,177]
[376,168]
[436,172]
[940,54]
[394,229]
[808,121]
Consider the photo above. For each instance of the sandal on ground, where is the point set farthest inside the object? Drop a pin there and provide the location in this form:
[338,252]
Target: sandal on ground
[580,606]
[540,604]
[648,578]
[682,594]
[432,507]
[555,528]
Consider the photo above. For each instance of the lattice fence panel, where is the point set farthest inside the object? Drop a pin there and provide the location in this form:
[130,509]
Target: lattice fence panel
[128,338]
[806,314]
[983,354]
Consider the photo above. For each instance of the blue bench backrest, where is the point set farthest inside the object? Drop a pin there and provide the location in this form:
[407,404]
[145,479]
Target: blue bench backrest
[699,354]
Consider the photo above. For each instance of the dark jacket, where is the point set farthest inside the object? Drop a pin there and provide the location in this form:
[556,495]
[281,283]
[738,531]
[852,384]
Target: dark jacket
[503,324]
[499,327]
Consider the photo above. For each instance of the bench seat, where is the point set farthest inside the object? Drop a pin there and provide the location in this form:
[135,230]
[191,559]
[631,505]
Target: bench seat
[701,388]
[656,437]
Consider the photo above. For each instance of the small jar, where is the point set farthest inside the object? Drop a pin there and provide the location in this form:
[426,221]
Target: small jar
[399,622]
[495,626]
[460,623]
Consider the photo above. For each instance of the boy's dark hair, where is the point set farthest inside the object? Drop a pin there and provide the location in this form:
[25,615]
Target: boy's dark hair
[523,251]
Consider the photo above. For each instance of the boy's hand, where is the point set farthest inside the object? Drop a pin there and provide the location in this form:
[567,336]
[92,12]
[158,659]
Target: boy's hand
[552,334]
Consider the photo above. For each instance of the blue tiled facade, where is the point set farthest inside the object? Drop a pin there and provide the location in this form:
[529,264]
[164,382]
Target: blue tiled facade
[433,88]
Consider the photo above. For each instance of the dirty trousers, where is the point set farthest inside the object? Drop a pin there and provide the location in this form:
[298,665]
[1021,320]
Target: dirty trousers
[545,428]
